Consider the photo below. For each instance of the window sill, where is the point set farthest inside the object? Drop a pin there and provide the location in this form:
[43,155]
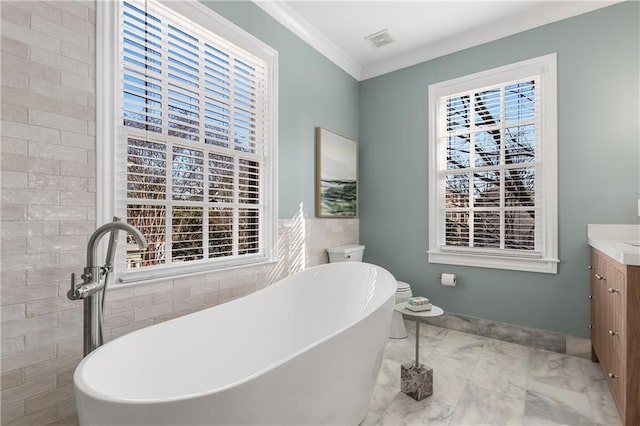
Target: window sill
[546,266]
[132,279]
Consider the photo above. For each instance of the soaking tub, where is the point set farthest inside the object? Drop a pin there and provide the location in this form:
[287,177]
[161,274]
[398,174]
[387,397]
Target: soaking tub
[305,350]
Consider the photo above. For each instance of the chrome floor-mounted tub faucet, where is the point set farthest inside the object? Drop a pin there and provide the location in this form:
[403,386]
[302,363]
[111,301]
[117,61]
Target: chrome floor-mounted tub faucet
[94,280]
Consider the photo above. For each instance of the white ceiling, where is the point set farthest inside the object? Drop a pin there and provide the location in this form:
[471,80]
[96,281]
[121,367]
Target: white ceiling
[422,30]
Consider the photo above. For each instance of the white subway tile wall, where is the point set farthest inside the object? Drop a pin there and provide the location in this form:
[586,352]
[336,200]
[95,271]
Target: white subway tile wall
[48,212]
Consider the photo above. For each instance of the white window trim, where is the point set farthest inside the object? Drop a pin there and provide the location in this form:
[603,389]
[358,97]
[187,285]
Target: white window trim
[107,124]
[545,68]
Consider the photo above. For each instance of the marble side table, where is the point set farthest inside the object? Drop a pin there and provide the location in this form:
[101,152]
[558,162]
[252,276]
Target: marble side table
[417,379]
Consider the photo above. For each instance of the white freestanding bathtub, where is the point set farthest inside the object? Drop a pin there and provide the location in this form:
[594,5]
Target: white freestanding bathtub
[305,350]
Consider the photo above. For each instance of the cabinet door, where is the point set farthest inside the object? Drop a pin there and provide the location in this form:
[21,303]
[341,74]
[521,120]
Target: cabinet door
[599,307]
[616,374]
[615,285]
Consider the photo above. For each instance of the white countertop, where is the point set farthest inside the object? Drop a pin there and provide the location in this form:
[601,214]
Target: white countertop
[620,242]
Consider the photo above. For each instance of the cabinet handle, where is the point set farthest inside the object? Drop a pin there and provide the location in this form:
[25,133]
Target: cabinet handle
[613,290]
[612,376]
[589,267]
[599,277]
[590,297]
[590,326]
[613,333]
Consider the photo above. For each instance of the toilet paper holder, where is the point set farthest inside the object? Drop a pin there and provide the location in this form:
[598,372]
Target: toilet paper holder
[448,280]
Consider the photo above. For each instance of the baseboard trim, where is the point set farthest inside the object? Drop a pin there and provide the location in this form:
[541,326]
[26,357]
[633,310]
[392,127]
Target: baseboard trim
[533,337]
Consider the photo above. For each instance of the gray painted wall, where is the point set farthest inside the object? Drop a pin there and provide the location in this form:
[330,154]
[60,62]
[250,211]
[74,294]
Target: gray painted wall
[313,92]
[599,181]
[598,150]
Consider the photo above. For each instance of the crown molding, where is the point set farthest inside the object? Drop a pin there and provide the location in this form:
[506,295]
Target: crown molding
[551,12]
[307,32]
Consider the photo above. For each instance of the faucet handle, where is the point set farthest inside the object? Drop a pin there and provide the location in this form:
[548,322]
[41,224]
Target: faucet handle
[73,293]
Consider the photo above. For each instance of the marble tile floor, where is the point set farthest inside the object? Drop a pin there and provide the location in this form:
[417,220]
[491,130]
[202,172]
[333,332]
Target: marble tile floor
[482,381]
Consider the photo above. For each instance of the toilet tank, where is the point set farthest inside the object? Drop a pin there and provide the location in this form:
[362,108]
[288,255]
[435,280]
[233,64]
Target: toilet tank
[348,253]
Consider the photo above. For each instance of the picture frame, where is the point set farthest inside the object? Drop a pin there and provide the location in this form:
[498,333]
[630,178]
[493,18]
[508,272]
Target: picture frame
[336,175]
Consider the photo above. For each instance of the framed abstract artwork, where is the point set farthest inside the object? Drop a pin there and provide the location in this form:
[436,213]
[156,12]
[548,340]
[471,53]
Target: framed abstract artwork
[336,175]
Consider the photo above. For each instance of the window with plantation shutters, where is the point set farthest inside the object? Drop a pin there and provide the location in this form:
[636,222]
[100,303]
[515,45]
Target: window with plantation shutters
[194,158]
[493,170]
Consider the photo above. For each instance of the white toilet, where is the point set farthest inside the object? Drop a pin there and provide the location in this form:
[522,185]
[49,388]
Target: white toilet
[353,253]
[403,293]
[348,253]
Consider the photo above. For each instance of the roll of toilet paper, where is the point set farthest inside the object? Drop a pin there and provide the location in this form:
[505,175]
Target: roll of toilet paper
[448,280]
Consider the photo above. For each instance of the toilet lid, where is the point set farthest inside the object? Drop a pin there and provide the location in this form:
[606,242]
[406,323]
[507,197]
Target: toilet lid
[403,286]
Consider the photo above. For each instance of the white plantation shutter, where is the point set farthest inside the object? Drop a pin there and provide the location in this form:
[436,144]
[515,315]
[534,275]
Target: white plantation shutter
[489,174]
[493,168]
[195,121]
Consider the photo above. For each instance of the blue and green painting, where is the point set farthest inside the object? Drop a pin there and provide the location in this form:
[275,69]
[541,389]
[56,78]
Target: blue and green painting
[338,172]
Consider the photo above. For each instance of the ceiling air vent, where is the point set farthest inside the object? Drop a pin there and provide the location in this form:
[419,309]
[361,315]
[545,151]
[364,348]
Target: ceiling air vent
[380,38]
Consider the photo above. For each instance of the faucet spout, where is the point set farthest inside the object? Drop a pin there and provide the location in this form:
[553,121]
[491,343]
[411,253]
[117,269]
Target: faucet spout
[116,226]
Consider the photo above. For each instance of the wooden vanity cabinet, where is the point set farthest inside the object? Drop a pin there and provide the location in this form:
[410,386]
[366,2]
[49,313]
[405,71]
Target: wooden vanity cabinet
[615,330]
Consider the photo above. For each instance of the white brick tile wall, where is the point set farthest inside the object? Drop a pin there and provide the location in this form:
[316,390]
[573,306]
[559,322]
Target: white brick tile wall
[49,305]
[70,168]
[62,183]
[53,150]
[74,260]
[26,326]
[13,410]
[23,97]
[73,316]
[45,275]
[48,399]
[56,60]
[28,36]
[13,14]
[29,196]
[13,213]
[59,32]
[14,47]
[66,409]
[23,229]
[42,417]
[13,345]
[14,246]
[55,213]
[79,54]
[13,312]
[14,179]
[22,163]
[14,378]
[31,69]
[26,358]
[50,367]
[86,83]
[16,80]
[56,121]
[14,146]
[17,262]
[41,9]
[79,25]
[23,294]
[57,334]
[84,199]
[12,279]
[33,133]
[47,88]
[28,389]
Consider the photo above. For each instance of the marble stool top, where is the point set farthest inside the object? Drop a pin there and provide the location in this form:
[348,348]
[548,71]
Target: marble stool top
[435,311]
